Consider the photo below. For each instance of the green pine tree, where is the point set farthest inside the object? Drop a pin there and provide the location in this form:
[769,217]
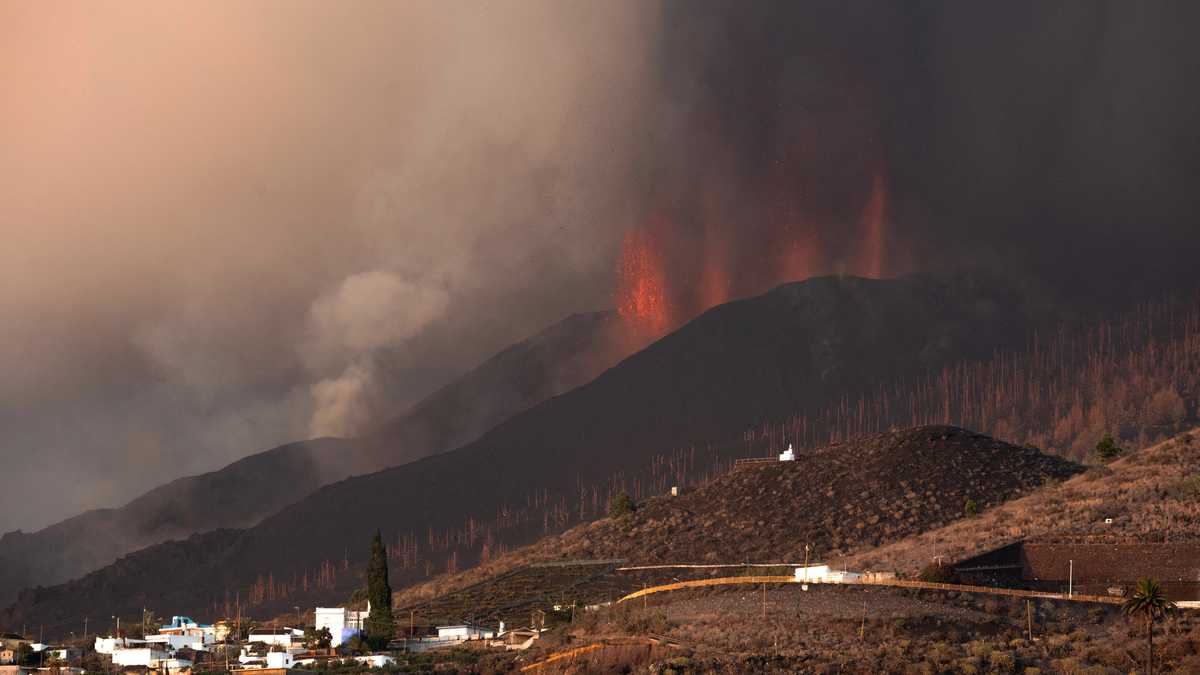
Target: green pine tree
[379,625]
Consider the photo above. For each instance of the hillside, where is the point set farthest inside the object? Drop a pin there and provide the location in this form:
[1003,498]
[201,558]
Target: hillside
[241,494]
[238,495]
[554,465]
[845,497]
[841,499]
[1152,495]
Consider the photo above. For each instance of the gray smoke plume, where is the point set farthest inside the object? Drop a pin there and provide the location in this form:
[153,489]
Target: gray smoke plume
[230,225]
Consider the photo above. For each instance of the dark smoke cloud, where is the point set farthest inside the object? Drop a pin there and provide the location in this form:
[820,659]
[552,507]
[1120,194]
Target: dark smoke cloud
[228,226]
[1055,141]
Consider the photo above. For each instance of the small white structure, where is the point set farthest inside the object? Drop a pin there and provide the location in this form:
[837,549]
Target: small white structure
[813,573]
[342,623]
[821,574]
[788,455]
[283,637]
[108,645]
[270,659]
[376,660]
[449,636]
[139,656]
[464,632]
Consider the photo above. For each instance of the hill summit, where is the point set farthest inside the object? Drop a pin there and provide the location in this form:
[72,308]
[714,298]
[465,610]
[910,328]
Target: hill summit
[839,498]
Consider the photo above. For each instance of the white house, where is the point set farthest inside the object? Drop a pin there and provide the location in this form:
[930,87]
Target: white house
[107,645]
[284,637]
[139,656]
[464,632]
[814,573]
[266,659]
[821,574]
[342,623]
[449,636]
[788,455]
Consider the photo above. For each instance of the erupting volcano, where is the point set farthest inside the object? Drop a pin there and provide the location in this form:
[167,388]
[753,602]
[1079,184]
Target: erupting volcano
[668,272]
[641,285]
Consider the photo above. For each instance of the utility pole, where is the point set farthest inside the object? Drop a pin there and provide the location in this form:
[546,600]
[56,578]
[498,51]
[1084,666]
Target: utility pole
[1029,618]
[764,601]
[85,629]
[806,549]
[862,629]
[1071,579]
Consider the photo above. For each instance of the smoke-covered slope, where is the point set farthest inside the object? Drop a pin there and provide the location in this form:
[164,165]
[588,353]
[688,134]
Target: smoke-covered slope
[241,494]
[794,348]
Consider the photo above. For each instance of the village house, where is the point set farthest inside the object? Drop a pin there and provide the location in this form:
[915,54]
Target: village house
[140,656]
[342,623]
[449,636]
[281,637]
[184,632]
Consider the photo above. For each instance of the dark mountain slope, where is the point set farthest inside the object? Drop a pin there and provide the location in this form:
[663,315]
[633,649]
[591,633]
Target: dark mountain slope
[796,347]
[842,498]
[556,360]
[241,494]
[238,495]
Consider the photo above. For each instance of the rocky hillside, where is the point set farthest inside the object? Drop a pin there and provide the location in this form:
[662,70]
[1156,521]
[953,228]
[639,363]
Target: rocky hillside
[241,494]
[796,348]
[1151,495]
[845,498]
[841,498]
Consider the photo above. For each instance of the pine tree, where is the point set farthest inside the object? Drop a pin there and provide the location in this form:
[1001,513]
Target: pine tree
[379,625]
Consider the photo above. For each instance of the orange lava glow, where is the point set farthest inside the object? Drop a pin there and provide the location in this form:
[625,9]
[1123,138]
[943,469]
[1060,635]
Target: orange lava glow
[714,277]
[667,275]
[871,253]
[641,285]
[800,256]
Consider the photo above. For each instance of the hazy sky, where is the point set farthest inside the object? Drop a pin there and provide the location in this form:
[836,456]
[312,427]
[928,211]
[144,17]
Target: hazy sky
[231,224]
[227,225]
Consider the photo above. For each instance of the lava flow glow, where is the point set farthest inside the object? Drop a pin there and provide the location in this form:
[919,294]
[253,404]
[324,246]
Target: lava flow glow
[871,247]
[668,273]
[641,285]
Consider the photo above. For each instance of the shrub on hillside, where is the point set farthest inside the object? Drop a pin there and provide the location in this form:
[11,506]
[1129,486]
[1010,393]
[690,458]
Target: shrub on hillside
[937,573]
[971,508]
[621,504]
[1107,449]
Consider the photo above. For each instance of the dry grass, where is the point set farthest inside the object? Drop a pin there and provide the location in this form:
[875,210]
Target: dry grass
[903,632]
[1150,495]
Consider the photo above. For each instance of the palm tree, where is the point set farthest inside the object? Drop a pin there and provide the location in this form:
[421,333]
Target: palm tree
[1148,600]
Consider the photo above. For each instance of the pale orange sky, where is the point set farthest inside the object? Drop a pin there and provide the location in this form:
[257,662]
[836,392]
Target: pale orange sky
[200,203]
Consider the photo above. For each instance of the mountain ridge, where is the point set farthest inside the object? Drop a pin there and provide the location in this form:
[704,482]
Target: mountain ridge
[244,492]
[733,366]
